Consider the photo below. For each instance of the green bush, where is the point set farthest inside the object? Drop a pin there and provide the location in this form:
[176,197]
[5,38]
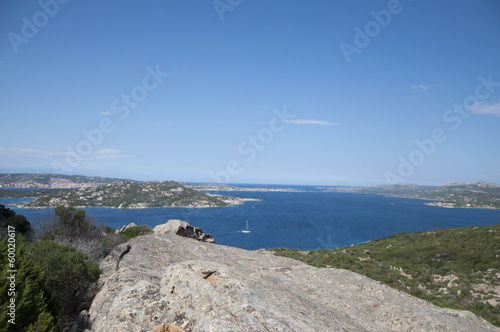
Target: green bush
[35,308]
[67,225]
[69,275]
[19,222]
[71,226]
[134,231]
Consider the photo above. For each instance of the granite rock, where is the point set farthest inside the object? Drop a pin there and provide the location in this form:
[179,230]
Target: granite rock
[182,228]
[172,283]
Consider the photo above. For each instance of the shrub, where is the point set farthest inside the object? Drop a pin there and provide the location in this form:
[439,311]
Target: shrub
[19,222]
[134,231]
[69,275]
[35,306]
[68,225]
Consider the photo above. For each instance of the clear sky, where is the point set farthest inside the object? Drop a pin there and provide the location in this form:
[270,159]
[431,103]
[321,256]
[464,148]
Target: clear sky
[286,91]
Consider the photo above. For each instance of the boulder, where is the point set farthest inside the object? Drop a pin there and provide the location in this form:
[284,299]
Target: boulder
[124,227]
[171,283]
[182,228]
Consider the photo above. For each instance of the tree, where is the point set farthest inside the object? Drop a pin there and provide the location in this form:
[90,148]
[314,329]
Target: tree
[69,274]
[19,222]
[68,225]
[35,308]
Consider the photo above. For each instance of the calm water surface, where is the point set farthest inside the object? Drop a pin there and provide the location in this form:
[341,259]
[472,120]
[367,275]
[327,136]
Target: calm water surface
[304,220]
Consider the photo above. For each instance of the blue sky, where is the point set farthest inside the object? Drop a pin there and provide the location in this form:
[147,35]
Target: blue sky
[286,92]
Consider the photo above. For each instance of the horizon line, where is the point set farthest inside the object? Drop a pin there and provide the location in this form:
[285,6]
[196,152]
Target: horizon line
[251,183]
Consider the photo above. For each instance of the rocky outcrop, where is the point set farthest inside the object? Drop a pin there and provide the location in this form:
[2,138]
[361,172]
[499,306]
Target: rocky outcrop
[125,227]
[182,228]
[171,283]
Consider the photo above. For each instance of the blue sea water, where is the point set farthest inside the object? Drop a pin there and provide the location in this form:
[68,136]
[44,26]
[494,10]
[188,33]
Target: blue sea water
[305,220]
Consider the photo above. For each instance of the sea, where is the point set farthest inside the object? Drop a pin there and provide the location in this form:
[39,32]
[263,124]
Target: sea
[308,219]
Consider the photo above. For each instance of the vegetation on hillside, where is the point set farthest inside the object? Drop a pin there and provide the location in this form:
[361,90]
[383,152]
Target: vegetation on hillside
[122,194]
[57,266]
[10,218]
[134,231]
[67,225]
[455,268]
[70,275]
[34,307]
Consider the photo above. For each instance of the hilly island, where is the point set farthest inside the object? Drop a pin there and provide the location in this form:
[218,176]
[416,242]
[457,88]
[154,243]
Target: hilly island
[123,194]
[83,191]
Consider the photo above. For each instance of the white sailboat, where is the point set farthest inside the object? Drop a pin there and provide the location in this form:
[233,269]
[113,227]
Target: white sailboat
[247,230]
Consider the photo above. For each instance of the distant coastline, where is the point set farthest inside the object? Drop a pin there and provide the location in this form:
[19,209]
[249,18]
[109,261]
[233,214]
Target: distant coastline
[478,195]
[237,201]
[449,206]
[109,193]
[82,192]
[231,201]
[226,187]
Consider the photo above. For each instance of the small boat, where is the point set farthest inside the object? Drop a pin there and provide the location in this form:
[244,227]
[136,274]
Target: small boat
[247,230]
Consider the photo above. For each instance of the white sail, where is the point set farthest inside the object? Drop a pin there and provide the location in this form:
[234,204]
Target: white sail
[247,230]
